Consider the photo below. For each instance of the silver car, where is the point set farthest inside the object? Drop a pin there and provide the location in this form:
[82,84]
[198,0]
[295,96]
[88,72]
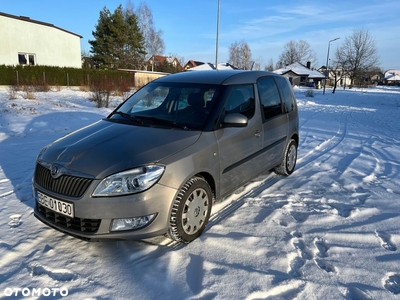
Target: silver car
[157,163]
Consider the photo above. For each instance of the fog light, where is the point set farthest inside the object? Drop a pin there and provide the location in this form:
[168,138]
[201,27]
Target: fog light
[131,223]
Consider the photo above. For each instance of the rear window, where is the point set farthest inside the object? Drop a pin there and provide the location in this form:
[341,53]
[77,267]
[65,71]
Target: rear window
[286,93]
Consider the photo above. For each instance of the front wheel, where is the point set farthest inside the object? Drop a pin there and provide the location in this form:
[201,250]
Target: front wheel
[288,163]
[191,210]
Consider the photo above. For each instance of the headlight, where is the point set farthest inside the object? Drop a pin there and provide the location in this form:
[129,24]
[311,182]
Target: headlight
[129,182]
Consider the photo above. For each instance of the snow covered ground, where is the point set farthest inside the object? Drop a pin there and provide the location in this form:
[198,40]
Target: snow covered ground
[328,231]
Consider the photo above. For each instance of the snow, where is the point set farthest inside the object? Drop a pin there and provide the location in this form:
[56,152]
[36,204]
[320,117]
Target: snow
[328,231]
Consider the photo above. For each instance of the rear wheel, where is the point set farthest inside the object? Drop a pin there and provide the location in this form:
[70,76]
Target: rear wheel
[191,210]
[288,163]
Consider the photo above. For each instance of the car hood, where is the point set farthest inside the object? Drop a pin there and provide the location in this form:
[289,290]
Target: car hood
[105,147]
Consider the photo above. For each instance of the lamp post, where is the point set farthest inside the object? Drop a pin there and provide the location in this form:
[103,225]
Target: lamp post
[216,45]
[327,62]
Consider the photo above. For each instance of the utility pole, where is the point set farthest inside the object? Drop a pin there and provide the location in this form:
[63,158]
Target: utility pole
[327,62]
[216,46]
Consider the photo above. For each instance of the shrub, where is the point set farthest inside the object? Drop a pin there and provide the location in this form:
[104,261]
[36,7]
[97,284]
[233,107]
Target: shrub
[101,89]
[309,93]
[12,91]
[29,91]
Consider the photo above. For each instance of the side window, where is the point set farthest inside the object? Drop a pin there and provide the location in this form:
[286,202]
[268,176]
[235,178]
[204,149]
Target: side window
[269,96]
[241,100]
[287,94]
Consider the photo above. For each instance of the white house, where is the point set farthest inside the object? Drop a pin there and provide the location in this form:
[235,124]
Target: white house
[299,74]
[24,41]
[392,76]
[210,66]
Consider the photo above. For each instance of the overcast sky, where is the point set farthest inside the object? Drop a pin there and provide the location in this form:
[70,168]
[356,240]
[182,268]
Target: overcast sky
[189,27]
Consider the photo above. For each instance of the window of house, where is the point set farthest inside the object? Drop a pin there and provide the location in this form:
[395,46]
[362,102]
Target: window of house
[27,59]
[31,59]
[22,59]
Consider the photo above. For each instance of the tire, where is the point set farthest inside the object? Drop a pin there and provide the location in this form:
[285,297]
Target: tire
[190,211]
[288,163]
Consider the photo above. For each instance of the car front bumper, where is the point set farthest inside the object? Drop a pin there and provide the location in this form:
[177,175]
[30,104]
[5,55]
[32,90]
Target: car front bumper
[93,216]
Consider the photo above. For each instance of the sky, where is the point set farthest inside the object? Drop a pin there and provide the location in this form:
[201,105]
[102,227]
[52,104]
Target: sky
[189,27]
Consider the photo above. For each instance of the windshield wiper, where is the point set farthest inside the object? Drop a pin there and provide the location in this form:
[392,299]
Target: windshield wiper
[164,121]
[129,117]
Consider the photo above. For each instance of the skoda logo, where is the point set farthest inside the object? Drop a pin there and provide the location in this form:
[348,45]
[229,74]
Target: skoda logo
[55,171]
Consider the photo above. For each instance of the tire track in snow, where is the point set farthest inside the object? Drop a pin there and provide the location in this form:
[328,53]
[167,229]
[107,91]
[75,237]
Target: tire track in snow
[327,146]
[165,244]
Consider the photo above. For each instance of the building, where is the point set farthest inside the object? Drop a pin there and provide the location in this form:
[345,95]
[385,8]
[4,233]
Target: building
[301,75]
[392,77]
[25,41]
[192,63]
[160,63]
[210,66]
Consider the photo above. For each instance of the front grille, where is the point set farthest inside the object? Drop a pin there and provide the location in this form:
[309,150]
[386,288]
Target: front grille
[82,225]
[66,185]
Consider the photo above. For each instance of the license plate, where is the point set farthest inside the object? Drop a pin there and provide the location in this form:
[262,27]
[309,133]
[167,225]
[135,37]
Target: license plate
[64,208]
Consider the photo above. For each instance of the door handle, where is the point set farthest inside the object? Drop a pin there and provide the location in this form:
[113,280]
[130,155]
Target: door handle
[258,133]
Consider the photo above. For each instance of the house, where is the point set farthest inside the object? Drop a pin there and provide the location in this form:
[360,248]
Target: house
[210,66]
[25,41]
[160,63]
[299,74]
[392,77]
[192,63]
[341,76]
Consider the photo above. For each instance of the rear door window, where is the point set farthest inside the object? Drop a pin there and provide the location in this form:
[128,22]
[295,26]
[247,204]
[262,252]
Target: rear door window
[270,98]
[286,93]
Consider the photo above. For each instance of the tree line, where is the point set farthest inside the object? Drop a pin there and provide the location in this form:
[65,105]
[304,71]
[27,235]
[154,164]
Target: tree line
[127,39]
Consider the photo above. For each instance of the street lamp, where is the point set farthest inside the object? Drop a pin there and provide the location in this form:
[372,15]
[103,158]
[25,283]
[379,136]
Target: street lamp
[216,45]
[327,62]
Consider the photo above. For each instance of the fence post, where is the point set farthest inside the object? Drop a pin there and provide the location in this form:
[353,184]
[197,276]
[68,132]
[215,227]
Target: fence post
[16,71]
[67,80]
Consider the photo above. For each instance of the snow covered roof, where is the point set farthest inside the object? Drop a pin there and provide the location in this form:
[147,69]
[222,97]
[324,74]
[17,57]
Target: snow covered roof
[392,75]
[300,70]
[210,66]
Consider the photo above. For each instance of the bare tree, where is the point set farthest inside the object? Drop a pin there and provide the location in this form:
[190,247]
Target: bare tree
[258,64]
[299,52]
[358,55]
[269,66]
[154,44]
[240,55]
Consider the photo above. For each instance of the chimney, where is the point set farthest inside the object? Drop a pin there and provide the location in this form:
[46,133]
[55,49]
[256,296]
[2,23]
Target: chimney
[308,65]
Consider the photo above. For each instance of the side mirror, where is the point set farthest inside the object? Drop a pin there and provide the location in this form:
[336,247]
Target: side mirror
[235,120]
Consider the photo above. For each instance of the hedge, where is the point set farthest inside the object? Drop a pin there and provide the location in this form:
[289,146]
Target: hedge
[56,76]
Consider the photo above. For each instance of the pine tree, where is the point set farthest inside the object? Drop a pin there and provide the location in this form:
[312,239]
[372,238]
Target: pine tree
[118,41]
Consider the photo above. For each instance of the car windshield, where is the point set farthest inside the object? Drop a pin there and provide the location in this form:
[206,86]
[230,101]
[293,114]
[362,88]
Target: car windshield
[172,105]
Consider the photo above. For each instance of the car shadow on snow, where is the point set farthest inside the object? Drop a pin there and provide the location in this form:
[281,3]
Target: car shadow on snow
[18,151]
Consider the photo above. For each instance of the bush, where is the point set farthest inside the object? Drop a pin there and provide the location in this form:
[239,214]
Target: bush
[12,91]
[101,89]
[55,76]
[309,93]
[29,91]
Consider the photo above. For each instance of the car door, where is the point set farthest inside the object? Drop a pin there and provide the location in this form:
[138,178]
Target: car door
[275,121]
[239,147]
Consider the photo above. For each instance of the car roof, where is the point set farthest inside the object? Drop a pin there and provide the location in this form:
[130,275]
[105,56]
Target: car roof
[216,77]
